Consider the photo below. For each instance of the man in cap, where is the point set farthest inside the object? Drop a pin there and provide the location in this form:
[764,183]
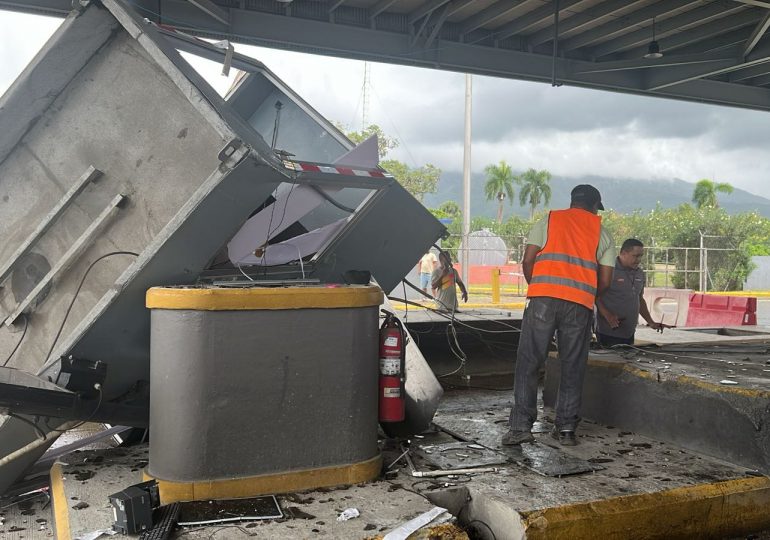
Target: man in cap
[568,260]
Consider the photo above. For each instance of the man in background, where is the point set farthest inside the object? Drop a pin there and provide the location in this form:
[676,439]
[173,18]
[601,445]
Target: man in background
[427,264]
[569,258]
[623,302]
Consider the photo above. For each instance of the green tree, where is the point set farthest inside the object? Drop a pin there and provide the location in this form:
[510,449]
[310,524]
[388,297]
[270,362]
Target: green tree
[705,193]
[384,142]
[417,181]
[535,189]
[500,179]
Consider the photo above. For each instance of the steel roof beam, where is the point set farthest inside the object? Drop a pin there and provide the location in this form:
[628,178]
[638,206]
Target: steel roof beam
[663,79]
[489,15]
[749,73]
[349,41]
[425,9]
[213,10]
[532,18]
[758,3]
[622,24]
[757,34]
[720,22]
[763,80]
[379,7]
[437,27]
[335,5]
[666,61]
[577,20]
[706,37]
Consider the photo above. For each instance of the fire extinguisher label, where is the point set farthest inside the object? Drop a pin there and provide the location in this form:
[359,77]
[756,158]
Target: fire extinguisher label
[391,392]
[391,341]
[390,366]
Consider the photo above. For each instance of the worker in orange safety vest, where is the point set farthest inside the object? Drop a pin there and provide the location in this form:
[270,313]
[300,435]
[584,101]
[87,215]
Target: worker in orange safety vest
[568,261]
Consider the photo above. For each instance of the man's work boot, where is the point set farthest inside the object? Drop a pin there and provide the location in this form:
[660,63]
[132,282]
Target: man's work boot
[515,438]
[566,437]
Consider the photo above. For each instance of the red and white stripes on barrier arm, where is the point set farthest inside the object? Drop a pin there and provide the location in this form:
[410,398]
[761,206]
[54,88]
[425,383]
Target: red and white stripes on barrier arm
[299,166]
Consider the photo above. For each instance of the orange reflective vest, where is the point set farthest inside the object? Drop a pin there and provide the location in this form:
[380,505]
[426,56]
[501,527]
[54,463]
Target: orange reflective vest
[566,267]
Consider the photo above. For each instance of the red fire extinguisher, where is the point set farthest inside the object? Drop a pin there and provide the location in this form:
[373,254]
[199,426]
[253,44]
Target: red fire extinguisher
[392,370]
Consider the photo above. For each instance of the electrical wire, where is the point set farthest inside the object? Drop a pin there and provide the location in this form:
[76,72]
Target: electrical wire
[18,343]
[40,433]
[88,419]
[77,291]
[625,346]
[447,316]
[471,522]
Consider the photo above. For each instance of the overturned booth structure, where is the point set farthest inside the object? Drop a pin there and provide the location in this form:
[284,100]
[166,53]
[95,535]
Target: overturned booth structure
[121,169]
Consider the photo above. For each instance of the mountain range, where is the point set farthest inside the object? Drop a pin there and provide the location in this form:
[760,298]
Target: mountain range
[623,195]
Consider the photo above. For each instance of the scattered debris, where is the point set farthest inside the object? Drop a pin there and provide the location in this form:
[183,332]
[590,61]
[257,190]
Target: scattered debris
[81,506]
[348,514]
[727,381]
[402,532]
[96,534]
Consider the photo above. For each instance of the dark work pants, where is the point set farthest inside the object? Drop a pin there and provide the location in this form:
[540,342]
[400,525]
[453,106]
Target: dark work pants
[572,324]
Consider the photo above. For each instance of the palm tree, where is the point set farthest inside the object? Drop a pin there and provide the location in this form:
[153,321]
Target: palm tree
[535,188]
[705,193]
[499,184]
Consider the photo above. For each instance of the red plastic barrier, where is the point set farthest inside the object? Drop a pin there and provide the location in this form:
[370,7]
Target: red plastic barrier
[482,274]
[710,310]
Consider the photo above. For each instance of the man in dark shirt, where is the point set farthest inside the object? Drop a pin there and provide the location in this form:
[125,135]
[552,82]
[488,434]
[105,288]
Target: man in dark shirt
[621,304]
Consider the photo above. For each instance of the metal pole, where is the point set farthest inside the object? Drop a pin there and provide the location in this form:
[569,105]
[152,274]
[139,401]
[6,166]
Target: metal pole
[467,180]
[700,275]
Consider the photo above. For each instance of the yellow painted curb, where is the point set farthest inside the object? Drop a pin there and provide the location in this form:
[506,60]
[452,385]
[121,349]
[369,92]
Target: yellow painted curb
[682,379]
[268,483]
[716,510]
[257,298]
[61,515]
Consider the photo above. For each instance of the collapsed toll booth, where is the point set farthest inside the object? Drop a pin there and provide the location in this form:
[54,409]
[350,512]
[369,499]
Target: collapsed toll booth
[121,169]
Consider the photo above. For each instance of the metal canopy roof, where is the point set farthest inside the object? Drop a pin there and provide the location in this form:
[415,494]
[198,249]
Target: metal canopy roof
[714,51]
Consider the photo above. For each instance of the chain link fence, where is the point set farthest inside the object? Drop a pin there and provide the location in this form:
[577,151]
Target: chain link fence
[697,268]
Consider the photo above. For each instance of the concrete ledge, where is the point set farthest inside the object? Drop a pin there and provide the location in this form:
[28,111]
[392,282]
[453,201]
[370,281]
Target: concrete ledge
[718,510]
[727,422]
[268,483]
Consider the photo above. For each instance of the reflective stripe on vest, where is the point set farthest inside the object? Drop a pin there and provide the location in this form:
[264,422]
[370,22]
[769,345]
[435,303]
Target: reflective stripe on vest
[565,282]
[566,267]
[568,259]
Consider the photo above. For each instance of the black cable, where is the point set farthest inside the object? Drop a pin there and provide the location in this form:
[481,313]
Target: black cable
[406,306]
[77,291]
[39,431]
[88,419]
[471,522]
[333,201]
[18,343]
[447,316]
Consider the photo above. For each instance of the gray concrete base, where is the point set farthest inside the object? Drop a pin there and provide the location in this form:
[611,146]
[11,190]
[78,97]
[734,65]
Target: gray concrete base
[679,399]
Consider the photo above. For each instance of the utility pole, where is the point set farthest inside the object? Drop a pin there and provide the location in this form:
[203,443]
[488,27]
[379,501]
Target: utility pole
[365,96]
[467,181]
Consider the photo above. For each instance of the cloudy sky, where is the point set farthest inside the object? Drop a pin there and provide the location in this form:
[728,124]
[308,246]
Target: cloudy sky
[568,131]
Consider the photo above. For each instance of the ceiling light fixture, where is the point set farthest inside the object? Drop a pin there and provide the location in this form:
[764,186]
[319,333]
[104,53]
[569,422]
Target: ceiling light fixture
[653,49]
